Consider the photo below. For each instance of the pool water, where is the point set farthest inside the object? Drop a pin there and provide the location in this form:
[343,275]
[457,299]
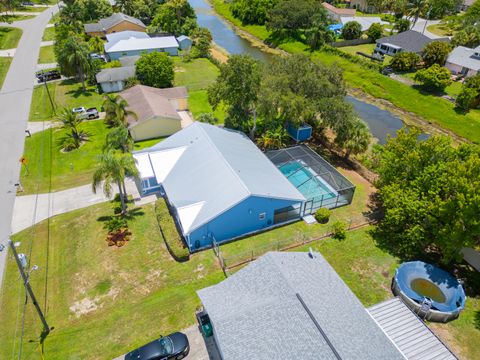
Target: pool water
[428,289]
[303,179]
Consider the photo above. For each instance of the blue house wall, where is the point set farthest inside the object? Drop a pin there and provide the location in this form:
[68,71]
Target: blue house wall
[117,55]
[241,219]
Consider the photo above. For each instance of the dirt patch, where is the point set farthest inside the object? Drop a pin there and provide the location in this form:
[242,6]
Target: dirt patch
[219,53]
[87,305]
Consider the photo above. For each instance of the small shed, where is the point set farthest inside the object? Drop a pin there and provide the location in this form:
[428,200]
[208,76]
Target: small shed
[184,42]
[299,133]
[113,80]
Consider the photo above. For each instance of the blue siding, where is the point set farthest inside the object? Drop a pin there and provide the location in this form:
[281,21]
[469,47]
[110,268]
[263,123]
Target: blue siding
[117,55]
[185,44]
[300,133]
[242,219]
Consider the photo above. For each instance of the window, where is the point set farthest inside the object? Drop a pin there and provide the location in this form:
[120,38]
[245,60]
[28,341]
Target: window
[262,216]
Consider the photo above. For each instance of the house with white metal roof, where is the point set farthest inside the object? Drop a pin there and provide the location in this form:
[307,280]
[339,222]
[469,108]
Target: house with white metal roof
[135,46]
[218,184]
[464,61]
[113,38]
[293,305]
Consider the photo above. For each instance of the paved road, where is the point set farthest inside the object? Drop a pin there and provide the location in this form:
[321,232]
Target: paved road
[15,98]
[420,26]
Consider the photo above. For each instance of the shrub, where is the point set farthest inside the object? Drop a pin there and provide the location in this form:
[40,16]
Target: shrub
[111,64]
[351,30]
[466,99]
[387,17]
[155,69]
[402,25]
[436,52]
[404,61]
[375,31]
[339,230]
[322,215]
[174,242]
[435,77]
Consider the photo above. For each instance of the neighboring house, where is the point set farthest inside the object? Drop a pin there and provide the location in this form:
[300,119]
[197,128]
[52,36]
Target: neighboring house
[117,22]
[336,13]
[134,47]
[293,305]
[184,42]
[408,41]
[157,110]
[113,79]
[125,35]
[364,21]
[218,184]
[129,60]
[464,61]
[363,6]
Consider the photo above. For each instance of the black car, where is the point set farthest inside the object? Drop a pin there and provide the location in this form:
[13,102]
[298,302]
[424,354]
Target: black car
[173,346]
[43,76]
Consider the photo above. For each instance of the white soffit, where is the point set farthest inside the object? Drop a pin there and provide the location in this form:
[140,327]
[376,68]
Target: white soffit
[188,214]
[144,166]
[164,161]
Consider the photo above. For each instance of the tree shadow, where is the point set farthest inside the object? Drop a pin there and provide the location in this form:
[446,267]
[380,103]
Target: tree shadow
[476,320]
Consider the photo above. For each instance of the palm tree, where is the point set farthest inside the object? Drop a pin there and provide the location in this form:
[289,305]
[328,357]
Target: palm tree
[119,139]
[354,137]
[96,44]
[74,135]
[415,8]
[112,169]
[74,58]
[116,111]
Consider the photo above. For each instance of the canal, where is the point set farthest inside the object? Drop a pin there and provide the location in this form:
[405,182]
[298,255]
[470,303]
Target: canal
[381,122]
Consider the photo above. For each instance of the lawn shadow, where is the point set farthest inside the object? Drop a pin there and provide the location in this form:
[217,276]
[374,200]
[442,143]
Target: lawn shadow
[476,320]
[76,93]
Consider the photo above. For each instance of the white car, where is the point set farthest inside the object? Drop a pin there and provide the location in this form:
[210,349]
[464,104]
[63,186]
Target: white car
[78,110]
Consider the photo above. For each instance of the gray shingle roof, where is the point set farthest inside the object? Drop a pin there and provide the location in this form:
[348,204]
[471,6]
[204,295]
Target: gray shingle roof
[219,168]
[257,313]
[410,40]
[115,74]
[408,332]
[112,20]
[464,56]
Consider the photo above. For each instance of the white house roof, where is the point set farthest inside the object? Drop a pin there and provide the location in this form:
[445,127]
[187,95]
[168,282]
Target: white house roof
[464,57]
[290,305]
[364,21]
[113,38]
[215,167]
[133,44]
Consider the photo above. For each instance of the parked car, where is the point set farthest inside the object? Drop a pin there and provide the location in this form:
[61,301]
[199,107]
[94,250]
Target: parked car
[98,56]
[173,346]
[91,113]
[43,76]
[79,110]
[28,3]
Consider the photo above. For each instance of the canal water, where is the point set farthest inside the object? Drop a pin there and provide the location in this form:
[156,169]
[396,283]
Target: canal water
[381,122]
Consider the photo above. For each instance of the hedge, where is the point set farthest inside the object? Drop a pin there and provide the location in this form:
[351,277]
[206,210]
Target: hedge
[169,231]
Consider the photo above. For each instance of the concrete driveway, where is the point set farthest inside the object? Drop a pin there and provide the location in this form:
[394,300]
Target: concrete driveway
[200,348]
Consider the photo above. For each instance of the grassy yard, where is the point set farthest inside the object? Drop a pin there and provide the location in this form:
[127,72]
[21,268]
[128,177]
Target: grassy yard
[102,301]
[197,74]
[47,55]
[9,37]
[198,104]
[49,34]
[4,66]
[439,29]
[140,145]
[50,169]
[365,48]
[430,107]
[66,93]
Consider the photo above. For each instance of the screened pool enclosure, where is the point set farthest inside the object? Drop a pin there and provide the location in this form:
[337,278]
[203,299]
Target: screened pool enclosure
[320,183]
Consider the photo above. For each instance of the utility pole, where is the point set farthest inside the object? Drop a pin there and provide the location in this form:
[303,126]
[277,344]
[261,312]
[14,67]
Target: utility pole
[49,96]
[29,288]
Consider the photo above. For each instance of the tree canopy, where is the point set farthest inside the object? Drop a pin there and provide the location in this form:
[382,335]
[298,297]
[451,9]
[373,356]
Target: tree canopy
[430,193]
[436,52]
[351,30]
[434,78]
[155,69]
[252,11]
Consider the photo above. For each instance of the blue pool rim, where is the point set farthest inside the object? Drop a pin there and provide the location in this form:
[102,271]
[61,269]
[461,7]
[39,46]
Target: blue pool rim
[448,284]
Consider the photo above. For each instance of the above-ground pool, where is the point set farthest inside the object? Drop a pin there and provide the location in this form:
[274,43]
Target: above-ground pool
[417,281]
[311,185]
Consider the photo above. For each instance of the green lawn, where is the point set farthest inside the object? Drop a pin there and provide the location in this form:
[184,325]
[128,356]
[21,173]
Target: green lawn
[140,145]
[50,169]
[47,55]
[128,295]
[365,48]
[66,93]
[13,18]
[49,34]
[31,9]
[439,29]
[4,66]
[198,104]
[197,74]
[430,107]
[9,37]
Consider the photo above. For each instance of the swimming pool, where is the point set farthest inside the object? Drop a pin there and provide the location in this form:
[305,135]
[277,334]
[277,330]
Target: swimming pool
[311,186]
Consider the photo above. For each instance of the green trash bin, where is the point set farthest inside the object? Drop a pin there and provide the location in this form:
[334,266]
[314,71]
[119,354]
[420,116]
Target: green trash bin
[206,325]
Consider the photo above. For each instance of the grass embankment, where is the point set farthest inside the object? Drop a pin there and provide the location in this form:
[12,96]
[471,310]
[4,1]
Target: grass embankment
[50,169]
[440,30]
[197,75]
[428,106]
[47,55]
[365,48]
[66,93]
[4,66]
[49,34]
[103,301]
[9,37]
